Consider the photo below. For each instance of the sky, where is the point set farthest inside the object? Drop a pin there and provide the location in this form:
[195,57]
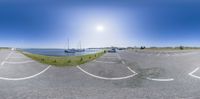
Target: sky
[50,24]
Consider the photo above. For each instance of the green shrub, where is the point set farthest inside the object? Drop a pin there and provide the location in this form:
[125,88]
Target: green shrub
[69,61]
[81,59]
[181,47]
[54,61]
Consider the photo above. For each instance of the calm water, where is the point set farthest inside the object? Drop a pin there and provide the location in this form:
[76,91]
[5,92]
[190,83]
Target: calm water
[59,52]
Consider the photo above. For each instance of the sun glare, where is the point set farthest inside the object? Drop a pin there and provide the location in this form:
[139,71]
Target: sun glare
[100,28]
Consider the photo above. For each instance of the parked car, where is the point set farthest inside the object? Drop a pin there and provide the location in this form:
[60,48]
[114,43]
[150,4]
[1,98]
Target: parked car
[121,48]
[112,50]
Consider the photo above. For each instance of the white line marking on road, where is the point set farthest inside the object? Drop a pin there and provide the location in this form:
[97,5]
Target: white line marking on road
[105,78]
[3,62]
[18,57]
[108,57]
[104,62]
[123,62]
[8,55]
[119,57]
[158,54]
[132,70]
[25,78]
[176,54]
[149,54]
[30,61]
[154,79]
[191,73]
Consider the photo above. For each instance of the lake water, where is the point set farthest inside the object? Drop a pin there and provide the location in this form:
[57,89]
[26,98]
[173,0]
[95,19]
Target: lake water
[59,52]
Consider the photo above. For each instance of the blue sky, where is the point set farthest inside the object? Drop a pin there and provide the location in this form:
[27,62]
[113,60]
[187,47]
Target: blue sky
[48,24]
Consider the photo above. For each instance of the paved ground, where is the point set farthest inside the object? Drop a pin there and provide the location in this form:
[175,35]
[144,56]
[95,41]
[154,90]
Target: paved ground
[122,75]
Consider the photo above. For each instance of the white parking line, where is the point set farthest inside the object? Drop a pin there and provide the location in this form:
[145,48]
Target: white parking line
[172,54]
[30,61]
[105,78]
[8,55]
[17,57]
[158,54]
[104,62]
[123,62]
[3,62]
[119,57]
[25,78]
[167,55]
[109,56]
[176,54]
[191,73]
[154,79]
[132,70]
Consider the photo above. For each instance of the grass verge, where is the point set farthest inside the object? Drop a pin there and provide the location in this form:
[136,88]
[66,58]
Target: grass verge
[64,61]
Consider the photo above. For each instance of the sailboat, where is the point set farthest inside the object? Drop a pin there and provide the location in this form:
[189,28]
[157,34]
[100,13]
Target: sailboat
[80,49]
[69,50]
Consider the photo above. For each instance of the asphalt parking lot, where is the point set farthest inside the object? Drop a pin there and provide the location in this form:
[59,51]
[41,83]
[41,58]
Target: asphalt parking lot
[121,75]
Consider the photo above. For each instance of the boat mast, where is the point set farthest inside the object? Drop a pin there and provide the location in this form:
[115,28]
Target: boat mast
[80,44]
[68,43]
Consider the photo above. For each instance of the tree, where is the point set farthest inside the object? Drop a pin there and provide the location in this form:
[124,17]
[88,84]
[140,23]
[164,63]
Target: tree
[181,47]
[142,47]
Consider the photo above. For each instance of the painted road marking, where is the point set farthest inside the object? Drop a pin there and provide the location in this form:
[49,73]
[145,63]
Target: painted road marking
[123,62]
[105,78]
[132,70]
[3,62]
[30,61]
[154,79]
[18,57]
[104,62]
[25,78]
[191,73]
[119,57]
[9,55]
[158,54]
[108,57]
[176,54]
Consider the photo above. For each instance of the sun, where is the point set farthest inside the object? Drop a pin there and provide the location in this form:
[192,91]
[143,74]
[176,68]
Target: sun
[100,28]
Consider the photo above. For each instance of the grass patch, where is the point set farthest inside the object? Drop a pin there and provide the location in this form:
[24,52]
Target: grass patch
[64,61]
[4,48]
